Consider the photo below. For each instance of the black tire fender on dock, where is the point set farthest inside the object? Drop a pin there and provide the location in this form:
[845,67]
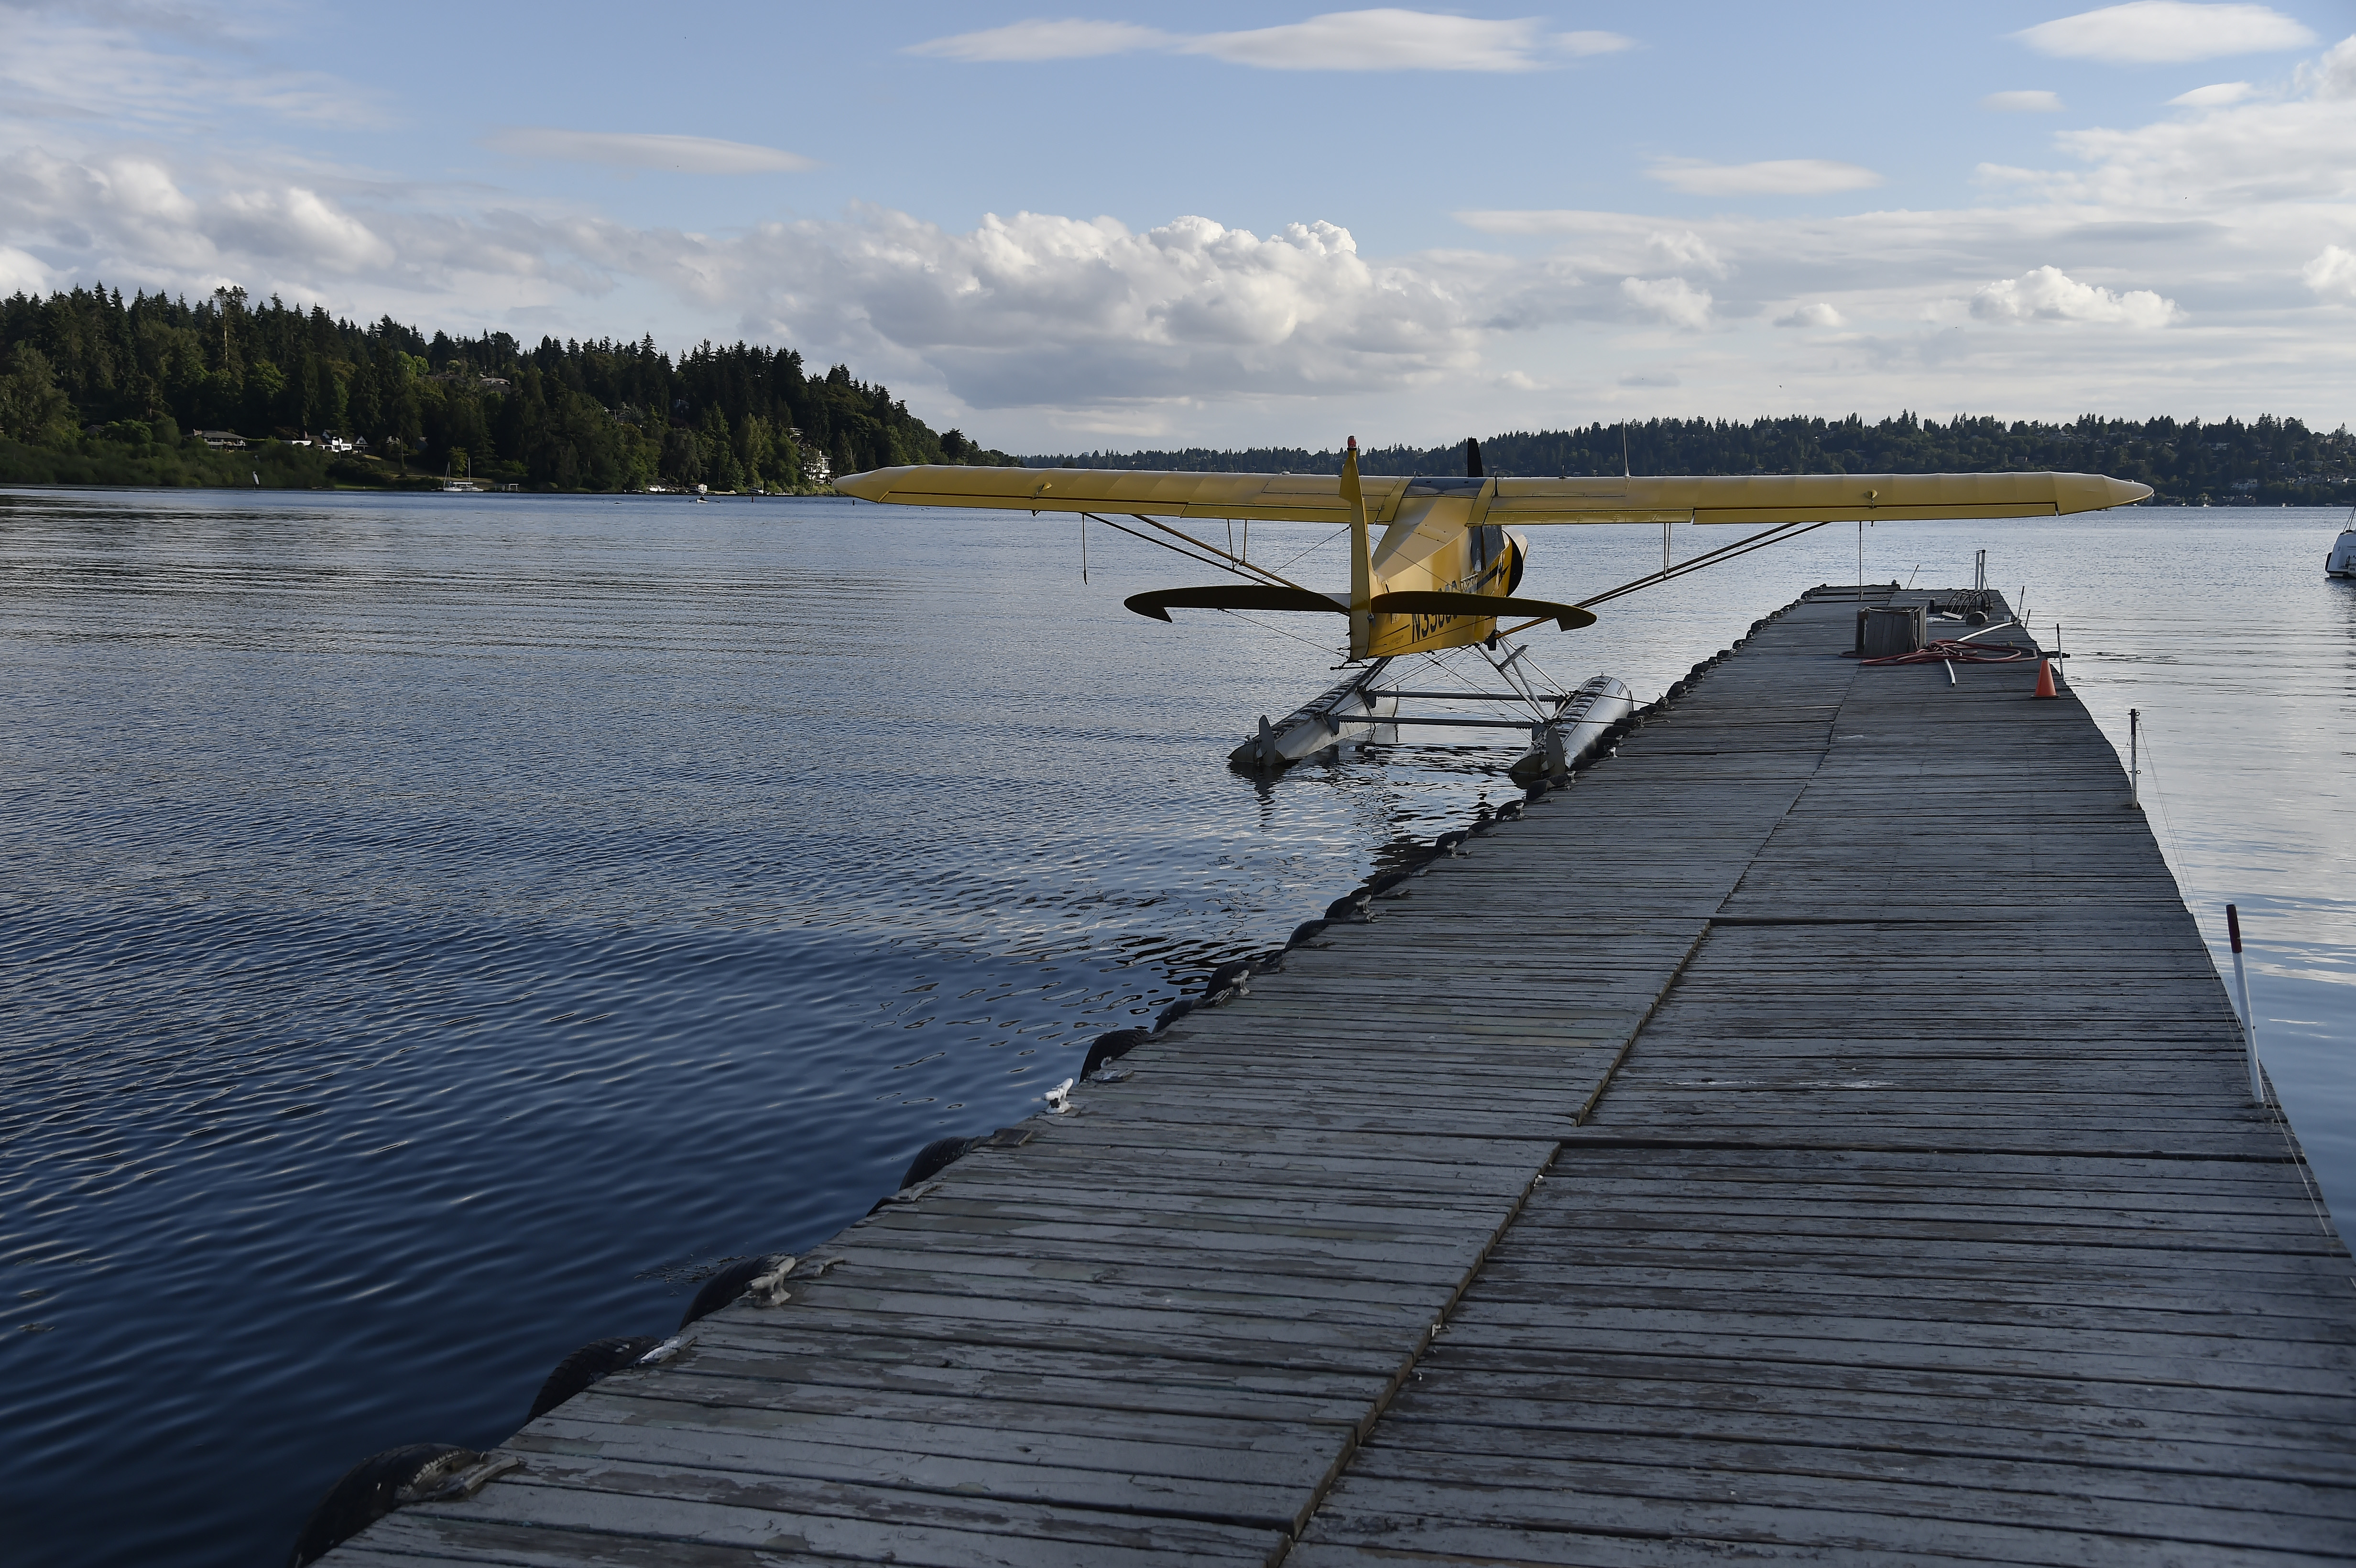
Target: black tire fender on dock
[1112,1047]
[361,1495]
[933,1158]
[728,1284]
[1233,973]
[592,1364]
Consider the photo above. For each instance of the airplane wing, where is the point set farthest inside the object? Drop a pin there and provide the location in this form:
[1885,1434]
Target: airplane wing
[1317,498]
[1276,498]
[1806,498]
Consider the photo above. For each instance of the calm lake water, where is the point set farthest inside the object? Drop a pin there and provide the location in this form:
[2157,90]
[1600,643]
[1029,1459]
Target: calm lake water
[437,928]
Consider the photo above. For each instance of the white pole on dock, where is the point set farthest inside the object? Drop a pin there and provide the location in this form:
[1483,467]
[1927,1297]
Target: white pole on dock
[2135,759]
[2249,1018]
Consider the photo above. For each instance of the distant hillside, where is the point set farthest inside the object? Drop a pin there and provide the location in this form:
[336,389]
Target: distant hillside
[2266,462]
[97,389]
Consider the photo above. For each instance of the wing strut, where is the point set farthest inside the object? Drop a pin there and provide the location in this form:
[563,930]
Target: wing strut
[1223,562]
[1760,540]
[1362,571]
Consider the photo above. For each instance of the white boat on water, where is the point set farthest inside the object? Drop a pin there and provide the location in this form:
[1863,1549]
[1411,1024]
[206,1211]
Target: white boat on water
[2341,561]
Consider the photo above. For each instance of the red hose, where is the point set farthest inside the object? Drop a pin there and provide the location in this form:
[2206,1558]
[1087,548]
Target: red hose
[1949,652]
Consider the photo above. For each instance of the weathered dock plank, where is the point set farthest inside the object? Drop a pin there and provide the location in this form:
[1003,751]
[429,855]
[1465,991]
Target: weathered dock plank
[1954,1239]
[1817,1136]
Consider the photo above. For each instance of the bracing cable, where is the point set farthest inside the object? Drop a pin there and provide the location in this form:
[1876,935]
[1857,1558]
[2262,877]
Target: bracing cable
[1227,563]
[1165,544]
[1779,534]
[1279,631]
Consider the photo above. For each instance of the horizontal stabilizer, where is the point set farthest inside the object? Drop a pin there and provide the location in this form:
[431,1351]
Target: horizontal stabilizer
[1231,596]
[1569,617]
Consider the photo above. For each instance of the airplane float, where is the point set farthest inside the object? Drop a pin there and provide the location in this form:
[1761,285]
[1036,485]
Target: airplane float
[1451,555]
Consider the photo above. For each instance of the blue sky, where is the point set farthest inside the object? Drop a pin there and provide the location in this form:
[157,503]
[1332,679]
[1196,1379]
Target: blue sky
[1120,225]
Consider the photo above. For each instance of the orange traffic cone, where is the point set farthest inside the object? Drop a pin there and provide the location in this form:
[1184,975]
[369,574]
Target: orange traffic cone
[2045,679]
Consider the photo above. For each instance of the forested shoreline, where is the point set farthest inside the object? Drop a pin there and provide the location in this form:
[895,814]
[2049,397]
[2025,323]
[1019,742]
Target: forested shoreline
[2267,462]
[95,389]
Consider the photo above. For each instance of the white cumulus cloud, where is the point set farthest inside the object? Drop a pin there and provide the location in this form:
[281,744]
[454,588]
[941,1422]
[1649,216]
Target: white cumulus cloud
[1040,39]
[639,150]
[1682,249]
[1394,40]
[2166,32]
[1387,38]
[1035,309]
[90,62]
[1780,177]
[2333,273]
[2333,76]
[2216,95]
[1817,314]
[2265,150]
[2026,101]
[135,220]
[1672,300]
[290,220]
[2048,294]
[20,274]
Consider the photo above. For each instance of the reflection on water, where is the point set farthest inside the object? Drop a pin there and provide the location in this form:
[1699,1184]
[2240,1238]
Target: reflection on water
[437,927]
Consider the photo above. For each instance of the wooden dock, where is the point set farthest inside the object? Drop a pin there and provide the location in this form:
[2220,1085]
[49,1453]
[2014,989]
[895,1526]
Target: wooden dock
[1819,1136]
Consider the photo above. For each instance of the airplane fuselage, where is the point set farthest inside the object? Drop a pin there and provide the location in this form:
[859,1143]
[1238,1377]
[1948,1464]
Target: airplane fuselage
[1435,542]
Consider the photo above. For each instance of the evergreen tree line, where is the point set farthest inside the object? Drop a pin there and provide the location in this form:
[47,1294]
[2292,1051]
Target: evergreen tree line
[93,386]
[2267,462]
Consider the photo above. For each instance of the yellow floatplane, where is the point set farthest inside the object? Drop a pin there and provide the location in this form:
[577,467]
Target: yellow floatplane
[1449,556]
